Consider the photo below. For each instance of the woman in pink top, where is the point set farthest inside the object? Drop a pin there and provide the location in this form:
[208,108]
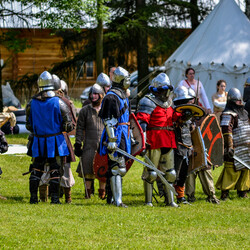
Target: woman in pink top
[190,82]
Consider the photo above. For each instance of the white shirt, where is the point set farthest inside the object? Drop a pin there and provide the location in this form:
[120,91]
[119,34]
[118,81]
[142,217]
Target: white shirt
[201,93]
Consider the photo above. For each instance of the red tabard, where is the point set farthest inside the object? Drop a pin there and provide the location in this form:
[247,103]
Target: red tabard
[160,117]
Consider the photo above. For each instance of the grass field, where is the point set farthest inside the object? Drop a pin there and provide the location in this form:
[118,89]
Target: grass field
[91,224]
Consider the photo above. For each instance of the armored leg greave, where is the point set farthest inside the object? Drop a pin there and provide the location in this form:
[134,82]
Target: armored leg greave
[167,165]
[116,187]
[148,177]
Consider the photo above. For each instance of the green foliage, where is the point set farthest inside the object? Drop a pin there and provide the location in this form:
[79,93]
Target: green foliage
[91,224]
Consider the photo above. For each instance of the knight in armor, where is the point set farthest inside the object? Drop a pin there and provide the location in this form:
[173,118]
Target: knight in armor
[157,118]
[47,118]
[246,96]
[236,132]
[88,134]
[67,178]
[115,112]
[184,148]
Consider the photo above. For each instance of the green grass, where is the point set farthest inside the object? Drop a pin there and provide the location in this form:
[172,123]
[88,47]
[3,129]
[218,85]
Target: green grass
[91,224]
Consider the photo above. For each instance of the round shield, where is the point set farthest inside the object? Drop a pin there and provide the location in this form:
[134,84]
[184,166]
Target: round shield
[100,166]
[197,111]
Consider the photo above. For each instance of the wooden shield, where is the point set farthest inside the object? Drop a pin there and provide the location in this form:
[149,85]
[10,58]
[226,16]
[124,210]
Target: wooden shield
[138,136]
[213,140]
[197,111]
[100,166]
[198,159]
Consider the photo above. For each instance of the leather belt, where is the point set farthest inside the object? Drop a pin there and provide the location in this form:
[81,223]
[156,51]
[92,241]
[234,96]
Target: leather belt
[162,128]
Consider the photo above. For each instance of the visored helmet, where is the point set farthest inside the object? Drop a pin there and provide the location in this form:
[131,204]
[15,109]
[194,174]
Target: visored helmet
[161,87]
[56,81]
[45,81]
[121,78]
[64,87]
[103,80]
[183,93]
[160,80]
[234,95]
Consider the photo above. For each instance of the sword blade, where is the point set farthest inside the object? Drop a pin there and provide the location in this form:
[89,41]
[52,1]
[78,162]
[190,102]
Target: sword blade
[135,159]
[164,181]
[159,173]
[240,161]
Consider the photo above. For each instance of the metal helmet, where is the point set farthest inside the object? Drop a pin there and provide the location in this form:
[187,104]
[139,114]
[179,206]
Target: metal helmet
[45,81]
[234,95]
[103,80]
[183,93]
[246,93]
[160,80]
[64,87]
[56,81]
[97,89]
[121,77]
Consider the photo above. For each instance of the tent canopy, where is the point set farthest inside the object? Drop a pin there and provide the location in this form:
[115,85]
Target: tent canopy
[219,48]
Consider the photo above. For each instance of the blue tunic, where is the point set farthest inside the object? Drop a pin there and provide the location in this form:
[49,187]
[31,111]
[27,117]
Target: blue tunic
[119,129]
[46,120]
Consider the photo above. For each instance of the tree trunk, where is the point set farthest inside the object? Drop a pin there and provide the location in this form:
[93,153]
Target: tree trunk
[99,44]
[194,13]
[248,8]
[142,49]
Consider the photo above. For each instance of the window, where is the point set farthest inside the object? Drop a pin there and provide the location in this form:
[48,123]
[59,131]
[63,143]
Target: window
[89,69]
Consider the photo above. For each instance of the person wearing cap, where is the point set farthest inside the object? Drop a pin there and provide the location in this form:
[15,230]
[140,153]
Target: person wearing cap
[115,113]
[88,133]
[47,118]
[236,133]
[157,119]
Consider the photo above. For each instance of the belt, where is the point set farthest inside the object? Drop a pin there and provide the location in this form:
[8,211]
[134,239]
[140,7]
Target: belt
[162,128]
[45,136]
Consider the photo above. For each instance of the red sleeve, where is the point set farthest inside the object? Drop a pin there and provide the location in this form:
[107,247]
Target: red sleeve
[143,117]
[176,116]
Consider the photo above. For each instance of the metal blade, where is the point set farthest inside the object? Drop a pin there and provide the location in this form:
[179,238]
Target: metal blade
[240,161]
[164,181]
[159,173]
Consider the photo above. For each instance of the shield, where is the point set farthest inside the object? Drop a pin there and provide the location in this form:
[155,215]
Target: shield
[198,160]
[197,111]
[139,143]
[100,166]
[100,163]
[213,140]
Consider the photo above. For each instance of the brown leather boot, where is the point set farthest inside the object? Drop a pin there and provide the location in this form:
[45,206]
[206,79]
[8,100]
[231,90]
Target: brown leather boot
[67,193]
[224,195]
[242,194]
[88,193]
[102,193]
[43,193]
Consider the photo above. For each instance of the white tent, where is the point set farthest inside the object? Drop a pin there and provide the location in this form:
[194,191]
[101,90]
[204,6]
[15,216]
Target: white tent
[219,48]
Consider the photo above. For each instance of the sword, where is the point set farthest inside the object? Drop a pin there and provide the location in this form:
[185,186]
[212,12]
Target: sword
[150,166]
[164,181]
[240,161]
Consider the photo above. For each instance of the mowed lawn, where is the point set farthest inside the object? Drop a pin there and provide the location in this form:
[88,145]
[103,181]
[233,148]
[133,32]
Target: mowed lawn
[91,224]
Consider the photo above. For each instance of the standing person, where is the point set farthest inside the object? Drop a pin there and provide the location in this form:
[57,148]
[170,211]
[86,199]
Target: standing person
[236,132]
[246,96]
[3,149]
[205,175]
[197,86]
[157,118]
[219,99]
[88,132]
[115,112]
[184,148]
[47,117]
[67,179]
